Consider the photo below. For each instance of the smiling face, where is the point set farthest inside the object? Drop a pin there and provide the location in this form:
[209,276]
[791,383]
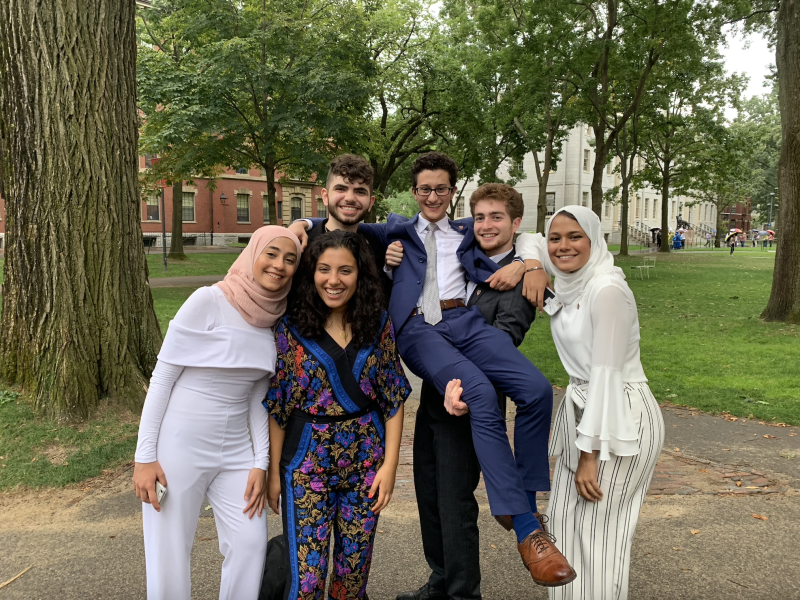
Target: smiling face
[276,264]
[336,277]
[432,206]
[567,244]
[494,228]
[348,202]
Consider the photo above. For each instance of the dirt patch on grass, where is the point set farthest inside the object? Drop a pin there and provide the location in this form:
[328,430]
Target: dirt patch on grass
[57,454]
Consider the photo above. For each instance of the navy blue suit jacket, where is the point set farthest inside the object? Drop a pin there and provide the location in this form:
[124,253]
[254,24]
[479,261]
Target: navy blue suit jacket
[409,276]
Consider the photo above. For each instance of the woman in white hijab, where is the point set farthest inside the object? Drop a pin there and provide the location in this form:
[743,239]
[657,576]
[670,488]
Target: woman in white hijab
[608,431]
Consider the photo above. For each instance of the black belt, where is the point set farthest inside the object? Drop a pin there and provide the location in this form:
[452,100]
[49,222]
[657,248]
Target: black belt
[305,417]
[445,304]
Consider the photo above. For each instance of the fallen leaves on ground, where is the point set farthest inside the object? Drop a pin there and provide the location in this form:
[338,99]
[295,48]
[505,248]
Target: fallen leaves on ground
[694,531]
[759,517]
[770,437]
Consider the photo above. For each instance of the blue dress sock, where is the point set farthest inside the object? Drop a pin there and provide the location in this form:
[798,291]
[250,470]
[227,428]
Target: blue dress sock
[524,525]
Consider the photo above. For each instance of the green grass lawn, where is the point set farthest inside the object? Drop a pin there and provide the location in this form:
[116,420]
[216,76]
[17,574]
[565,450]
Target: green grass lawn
[703,344]
[40,452]
[195,264]
[167,301]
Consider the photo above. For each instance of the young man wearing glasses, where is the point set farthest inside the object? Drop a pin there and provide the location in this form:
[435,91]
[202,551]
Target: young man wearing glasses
[441,340]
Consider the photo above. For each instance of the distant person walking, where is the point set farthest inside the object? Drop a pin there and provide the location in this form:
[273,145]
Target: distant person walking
[755,239]
[771,237]
[708,241]
[732,242]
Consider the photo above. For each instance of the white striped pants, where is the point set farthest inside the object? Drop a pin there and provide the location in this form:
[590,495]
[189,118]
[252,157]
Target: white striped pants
[596,537]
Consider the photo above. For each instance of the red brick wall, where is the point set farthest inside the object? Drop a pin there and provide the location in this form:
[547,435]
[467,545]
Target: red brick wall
[225,213]
[225,220]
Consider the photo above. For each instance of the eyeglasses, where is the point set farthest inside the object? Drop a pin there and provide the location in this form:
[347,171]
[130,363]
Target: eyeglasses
[425,191]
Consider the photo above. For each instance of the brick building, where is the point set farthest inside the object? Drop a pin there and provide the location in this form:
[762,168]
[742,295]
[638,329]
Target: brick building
[738,216]
[235,207]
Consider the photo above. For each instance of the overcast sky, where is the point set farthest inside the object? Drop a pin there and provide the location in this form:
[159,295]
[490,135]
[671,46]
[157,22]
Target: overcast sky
[751,56]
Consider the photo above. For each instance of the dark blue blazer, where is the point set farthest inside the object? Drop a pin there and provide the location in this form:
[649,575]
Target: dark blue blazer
[408,278]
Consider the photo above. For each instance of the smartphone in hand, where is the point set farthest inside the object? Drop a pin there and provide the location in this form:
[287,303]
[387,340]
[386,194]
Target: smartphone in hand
[161,492]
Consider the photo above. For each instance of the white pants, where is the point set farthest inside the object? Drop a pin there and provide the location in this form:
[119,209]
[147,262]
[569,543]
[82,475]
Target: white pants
[596,537]
[205,450]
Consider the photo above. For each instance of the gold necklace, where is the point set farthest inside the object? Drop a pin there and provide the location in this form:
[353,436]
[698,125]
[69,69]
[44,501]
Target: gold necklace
[343,332]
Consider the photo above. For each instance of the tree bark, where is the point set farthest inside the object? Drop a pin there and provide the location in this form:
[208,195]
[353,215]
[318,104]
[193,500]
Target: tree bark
[625,202]
[272,192]
[720,226]
[78,320]
[784,300]
[665,207]
[176,243]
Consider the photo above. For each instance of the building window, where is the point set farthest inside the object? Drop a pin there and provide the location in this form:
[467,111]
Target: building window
[640,162]
[674,208]
[242,208]
[607,210]
[241,171]
[647,208]
[638,205]
[609,168]
[585,199]
[152,209]
[187,208]
[589,131]
[550,199]
[265,202]
[322,210]
[280,209]
[586,161]
[148,160]
[297,208]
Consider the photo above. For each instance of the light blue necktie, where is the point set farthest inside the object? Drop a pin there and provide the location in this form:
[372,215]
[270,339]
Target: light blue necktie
[431,308]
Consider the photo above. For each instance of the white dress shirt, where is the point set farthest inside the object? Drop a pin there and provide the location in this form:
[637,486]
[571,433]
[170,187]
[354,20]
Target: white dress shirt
[496,258]
[450,275]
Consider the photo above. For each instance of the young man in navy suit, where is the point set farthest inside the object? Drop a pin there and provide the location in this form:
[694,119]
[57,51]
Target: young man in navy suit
[448,510]
[441,340]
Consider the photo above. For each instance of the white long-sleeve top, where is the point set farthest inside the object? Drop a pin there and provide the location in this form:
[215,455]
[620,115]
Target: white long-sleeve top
[597,338]
[213,358]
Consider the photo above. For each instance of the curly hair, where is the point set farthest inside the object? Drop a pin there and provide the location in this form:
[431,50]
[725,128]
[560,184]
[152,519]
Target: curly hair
[309,313]
[434,161]
[352,168]
[515,207]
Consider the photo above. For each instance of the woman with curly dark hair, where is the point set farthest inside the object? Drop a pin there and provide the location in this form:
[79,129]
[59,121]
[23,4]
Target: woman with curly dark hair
[336,403]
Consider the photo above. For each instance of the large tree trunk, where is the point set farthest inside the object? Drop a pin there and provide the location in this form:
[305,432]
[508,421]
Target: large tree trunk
[784,301]
[625,202]
[665,209]
[721,229]
[272,191]
[176,243]
[78,320]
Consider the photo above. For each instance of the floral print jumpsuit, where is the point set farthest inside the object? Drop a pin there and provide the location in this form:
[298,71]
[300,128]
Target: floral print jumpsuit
[332,402]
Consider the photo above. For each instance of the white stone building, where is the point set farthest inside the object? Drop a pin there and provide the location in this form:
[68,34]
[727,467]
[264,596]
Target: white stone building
[570,184]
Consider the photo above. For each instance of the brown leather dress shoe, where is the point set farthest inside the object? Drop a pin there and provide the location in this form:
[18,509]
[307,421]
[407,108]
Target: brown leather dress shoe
[508,524]
[545,562]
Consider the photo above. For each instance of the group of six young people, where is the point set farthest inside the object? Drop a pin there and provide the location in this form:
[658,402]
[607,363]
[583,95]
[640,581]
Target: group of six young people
[329,375]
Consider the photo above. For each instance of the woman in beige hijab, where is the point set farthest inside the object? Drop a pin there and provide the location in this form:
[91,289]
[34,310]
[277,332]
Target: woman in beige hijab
[212,373]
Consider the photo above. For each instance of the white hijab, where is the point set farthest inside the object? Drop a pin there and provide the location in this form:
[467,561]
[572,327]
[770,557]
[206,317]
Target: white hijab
[570,286]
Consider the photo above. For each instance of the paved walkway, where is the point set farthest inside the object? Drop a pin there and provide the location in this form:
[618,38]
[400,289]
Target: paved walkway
[193,281]
[721,521]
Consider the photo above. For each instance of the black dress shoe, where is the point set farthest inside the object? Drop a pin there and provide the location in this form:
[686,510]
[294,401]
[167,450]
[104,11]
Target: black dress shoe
[423,593]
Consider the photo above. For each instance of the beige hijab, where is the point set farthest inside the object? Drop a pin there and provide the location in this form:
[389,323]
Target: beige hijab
[258,306]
